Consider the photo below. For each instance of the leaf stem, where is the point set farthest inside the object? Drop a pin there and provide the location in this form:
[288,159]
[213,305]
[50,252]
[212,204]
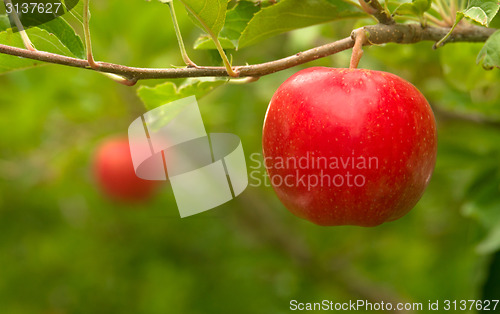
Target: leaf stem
[226,62]
[453,7]
[26,40]
[86,31]
[223,55]
[443,13]
[434,20]
[461,4]
[184,54]
[441,42]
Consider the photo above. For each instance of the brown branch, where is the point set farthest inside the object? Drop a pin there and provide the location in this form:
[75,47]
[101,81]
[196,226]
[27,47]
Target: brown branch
[374,8]
[377,34]
[475,118]
[413,33]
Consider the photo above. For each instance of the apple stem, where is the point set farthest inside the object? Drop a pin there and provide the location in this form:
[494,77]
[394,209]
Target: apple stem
[360,38]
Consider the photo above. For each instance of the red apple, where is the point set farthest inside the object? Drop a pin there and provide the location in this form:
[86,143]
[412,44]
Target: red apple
[115,175]
[349,146]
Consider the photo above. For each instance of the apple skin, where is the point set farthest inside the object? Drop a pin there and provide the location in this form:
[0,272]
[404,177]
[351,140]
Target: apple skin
[115,175]
[341,114]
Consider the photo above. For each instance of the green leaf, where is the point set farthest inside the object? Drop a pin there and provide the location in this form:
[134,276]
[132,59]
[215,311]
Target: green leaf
[205,42]
[460,70]
[490,53]
[4,22]
[153,97]
[207,14]
[481,200]
[416,7]
[483,203]
[288,15]
[75,15]
[491,243]
[236,20]
[210,16]
[67,35]
[482,11]
[60,29]
[42,40]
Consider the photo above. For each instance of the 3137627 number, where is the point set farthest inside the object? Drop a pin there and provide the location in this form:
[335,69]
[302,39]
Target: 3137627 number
[33,7]
[464,305]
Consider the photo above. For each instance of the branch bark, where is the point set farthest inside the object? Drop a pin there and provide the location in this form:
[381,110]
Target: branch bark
[377,34]
[374,8]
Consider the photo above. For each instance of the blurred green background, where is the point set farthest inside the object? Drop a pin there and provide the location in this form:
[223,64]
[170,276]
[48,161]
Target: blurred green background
[65,248]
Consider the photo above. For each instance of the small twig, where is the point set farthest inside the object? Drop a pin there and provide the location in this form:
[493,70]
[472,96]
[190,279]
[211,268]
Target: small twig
[374,8]
[366,7]
[468,117]
[445,6]
[461,4]
[453,8]
[443,13]
[434,20]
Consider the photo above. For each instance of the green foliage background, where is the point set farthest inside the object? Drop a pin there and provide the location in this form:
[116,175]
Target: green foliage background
[64,248]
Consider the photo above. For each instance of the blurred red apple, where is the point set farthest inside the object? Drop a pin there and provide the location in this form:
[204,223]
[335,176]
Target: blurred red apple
[115,175]
[349,146]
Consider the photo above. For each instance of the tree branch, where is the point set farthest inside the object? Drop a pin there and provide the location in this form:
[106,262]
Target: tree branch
[413,33]
[374,8]
[377,34]
[476,118]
